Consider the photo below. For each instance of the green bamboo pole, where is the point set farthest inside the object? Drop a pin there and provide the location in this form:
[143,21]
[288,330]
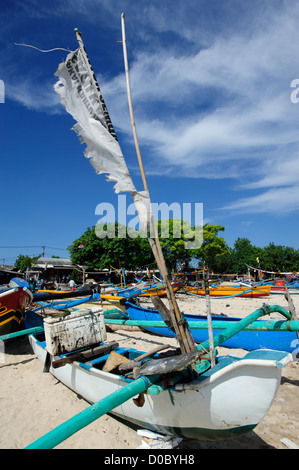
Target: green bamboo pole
[242,324]
[93,412]
[28,331]
[261,325]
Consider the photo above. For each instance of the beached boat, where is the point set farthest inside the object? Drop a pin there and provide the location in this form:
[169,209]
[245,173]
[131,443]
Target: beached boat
[34,317]
[225,291]
[184,407]
[279,287]
[143,289]
[160,290]
[246,339]
[156,291]
[13,301]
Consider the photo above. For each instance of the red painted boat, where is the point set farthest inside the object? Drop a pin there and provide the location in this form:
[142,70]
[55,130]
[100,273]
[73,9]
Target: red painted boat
[13,301]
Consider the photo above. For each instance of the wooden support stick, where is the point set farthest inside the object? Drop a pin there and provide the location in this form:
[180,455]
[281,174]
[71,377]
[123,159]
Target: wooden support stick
[84,355]
[130,365]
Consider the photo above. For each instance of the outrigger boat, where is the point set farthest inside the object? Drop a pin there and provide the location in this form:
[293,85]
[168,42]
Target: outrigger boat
[193,393]
[160,291]
[227,400]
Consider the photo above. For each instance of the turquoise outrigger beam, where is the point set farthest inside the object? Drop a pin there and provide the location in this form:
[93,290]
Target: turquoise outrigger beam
[242,324]
[141,384]
[267,325]
[28,331]
[249,322]
[93,412]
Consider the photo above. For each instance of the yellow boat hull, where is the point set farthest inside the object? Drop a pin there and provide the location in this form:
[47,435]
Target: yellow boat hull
[251,292]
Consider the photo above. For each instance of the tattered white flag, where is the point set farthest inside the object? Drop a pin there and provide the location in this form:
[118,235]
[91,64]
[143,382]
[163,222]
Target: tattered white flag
[82,98]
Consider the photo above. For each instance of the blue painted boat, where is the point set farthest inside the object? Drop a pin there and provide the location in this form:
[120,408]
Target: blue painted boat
[248,340]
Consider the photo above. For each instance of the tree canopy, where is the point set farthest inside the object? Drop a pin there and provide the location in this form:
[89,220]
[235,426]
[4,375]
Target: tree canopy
[275,258]
[24,261]
[119,248]
[114,245]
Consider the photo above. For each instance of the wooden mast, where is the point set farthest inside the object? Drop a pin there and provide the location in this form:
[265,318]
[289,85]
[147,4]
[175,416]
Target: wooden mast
[182,330]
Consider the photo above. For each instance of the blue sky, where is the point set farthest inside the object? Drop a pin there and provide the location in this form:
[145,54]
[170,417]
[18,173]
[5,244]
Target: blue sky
[211,88]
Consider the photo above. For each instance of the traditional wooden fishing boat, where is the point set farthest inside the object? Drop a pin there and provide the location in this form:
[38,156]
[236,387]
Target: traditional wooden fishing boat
[225,291]
[34,317]
[13,301]
[282,290]
[173,406]
[160,291]
[245,339]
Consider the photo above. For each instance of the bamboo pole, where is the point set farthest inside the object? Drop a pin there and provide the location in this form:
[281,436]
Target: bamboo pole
[183,334]
[93,412]
[258,326]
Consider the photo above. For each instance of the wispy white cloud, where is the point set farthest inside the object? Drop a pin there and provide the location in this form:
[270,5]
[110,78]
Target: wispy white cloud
[225,111]
[275,201]
[42,98]
[211,97]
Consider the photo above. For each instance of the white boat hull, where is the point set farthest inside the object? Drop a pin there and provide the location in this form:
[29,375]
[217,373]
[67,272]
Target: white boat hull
[229,402]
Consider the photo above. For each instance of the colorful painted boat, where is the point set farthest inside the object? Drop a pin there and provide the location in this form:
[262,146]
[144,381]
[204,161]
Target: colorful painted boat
[160,291]
[248,340]
[225,291]
[13,301]
[282,291]
[227,400]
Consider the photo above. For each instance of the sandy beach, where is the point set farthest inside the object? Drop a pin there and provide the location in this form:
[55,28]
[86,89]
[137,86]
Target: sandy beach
[32,402]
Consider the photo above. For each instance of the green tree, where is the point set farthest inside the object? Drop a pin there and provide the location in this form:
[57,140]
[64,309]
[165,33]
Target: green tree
[212,247]
[24,261]
[173,235]
[109,245]
[279,258]
[243,254]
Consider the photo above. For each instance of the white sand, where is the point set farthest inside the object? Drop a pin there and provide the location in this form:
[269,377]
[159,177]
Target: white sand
[32,402]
